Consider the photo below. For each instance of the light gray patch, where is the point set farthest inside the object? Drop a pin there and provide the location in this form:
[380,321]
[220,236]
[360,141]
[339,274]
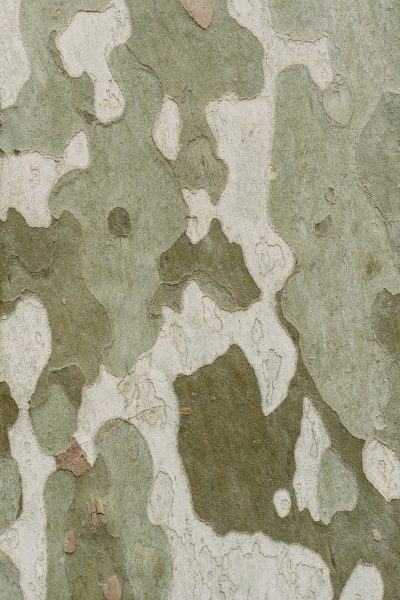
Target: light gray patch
[338,101]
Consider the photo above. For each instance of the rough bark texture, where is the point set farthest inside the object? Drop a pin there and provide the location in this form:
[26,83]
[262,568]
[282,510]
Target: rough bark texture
[200,300]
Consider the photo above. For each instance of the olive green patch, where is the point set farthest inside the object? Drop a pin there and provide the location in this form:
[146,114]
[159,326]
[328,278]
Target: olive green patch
[10,492]
[386,321]
[236,458]
[323,226]
[71,380]
[79,324]
[373,267]
[217,266]
[119,221]
[8,416]
[9,579]
[10,479]
[34,246]
[105,510]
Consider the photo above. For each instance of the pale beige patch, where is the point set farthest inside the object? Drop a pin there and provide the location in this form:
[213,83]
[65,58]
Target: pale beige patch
[69,542]
[201,11]
[112,589]
[382,468]
[14,62]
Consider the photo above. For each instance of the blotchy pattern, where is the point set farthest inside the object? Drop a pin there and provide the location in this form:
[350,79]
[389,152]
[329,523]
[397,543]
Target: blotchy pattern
[199,300]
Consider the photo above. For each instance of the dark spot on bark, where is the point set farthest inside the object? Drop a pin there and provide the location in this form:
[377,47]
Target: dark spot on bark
[323,226]
[119,222]
[386,321]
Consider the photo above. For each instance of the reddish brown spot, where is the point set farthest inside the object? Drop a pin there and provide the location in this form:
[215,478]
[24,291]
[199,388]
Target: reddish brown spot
[376,535]
[73,459]
[112,589]
[201,11]
[69,542]
[185,411]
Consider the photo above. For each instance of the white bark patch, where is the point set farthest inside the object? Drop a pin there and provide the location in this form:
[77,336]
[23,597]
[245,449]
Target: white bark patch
[282,503]
[14,62]
[382,468]
[85,46]
[311,445]
[167,129]
[26,179]
[201,213]
[365,583]
[25,347]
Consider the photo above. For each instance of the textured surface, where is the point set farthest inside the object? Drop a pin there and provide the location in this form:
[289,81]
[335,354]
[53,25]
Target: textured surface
[199,300]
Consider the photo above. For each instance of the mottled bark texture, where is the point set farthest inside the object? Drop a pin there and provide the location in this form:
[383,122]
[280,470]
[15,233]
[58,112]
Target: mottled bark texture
[199,300]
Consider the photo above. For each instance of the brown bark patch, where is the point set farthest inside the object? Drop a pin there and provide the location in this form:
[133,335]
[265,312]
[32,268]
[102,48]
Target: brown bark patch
[112,589]
[69,542]
[201,11]
[73,459]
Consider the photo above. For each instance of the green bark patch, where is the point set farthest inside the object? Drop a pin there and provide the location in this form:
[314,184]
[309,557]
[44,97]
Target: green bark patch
[386,321]
[10,479]
[8,416]
[217,266]
[342,263]
[79,324]
[9,579]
